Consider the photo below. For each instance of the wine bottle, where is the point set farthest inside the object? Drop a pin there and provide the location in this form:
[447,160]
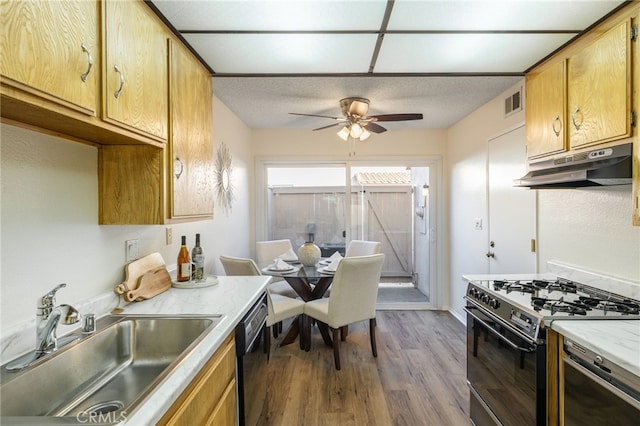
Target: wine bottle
[184,263]
[197,261]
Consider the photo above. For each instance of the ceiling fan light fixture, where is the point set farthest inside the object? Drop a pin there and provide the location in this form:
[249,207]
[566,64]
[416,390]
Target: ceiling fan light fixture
[356,130]
[365,134]
[344,133]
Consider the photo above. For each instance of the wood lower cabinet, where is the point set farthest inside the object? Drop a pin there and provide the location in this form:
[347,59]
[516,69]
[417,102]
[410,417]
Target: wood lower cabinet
[599,89]
[210,399]
[40,59]
[135,74]
[545,111]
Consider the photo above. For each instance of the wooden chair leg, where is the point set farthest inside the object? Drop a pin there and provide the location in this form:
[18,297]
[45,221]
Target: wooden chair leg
[336,348]
[267,342]
[372,334]
[307,321]
[303,334]
[343,333]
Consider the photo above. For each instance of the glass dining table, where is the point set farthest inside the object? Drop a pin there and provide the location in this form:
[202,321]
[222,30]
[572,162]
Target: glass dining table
[310,283]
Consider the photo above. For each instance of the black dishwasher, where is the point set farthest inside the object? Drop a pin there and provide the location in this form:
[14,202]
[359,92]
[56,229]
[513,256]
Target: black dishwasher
[252,363]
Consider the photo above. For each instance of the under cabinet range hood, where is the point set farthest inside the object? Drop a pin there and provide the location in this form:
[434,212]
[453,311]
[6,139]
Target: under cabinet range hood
[600,167]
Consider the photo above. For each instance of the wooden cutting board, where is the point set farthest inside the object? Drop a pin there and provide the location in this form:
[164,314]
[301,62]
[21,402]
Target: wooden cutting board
[136,269]
[151,284]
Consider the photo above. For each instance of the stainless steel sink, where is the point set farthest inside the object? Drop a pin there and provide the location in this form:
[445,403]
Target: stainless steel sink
[106,374]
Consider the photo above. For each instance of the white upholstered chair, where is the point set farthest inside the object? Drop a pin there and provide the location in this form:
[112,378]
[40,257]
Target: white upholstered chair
[266,252]
[362,248]
[279,307]
[352,299]
[239,266]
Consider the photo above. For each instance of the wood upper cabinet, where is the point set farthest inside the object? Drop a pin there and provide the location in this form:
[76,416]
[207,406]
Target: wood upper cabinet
[191,140]
[583,99]
[545,110]
[599,89]
[210,399]
[135,82]
[142,184]
[40,58]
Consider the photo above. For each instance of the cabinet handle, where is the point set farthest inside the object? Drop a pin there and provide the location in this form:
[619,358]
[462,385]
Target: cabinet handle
[573,118]
[117,92]
[178,163]
[90,60]
[556,119]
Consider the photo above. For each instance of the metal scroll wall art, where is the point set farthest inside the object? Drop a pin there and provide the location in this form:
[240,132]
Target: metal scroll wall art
[224,186]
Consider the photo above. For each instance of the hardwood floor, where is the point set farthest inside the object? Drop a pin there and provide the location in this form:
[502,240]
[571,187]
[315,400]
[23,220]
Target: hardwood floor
[419,377]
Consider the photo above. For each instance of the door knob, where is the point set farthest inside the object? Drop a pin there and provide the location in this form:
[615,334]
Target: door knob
[490,254]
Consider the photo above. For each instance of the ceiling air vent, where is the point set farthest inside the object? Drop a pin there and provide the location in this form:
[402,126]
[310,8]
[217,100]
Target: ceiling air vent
[513,103]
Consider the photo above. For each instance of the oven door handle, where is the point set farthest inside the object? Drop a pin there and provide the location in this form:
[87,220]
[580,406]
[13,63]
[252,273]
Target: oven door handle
[498,335]
[602,382]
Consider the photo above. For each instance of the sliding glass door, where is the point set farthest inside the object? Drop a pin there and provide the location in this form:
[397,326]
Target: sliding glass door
[333,203]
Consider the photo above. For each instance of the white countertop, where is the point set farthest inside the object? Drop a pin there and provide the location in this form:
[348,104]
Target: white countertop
[615,340]
[232,297]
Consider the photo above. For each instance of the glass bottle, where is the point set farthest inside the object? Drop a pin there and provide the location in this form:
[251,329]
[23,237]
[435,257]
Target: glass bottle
[197,260]
[184,262]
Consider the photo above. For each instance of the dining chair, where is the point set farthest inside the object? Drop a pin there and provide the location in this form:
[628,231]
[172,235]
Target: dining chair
[353,299]
[279,307]
[266,252]
[362,248]
[239,266]
[359,248]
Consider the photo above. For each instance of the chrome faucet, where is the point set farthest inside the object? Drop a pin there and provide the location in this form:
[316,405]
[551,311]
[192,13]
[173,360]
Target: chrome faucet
[48,316]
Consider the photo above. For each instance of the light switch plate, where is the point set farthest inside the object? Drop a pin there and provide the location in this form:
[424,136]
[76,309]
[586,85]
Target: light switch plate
[477,224]
[131,250]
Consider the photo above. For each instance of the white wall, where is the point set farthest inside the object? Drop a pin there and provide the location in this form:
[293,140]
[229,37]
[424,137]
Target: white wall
[466,171]
[49,227]
[590,228]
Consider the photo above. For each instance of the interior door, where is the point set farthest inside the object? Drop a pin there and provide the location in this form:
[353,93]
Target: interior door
[512,211]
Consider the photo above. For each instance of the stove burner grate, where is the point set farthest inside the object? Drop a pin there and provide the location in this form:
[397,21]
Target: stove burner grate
[535,285]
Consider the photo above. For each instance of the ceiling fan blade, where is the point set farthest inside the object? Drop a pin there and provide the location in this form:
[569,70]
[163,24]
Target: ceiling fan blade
[358,108]
[315,115]
[396,117]
[375,128]
[326,127]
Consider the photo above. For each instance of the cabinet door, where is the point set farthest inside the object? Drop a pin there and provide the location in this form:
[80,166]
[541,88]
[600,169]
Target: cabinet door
[600,89]
[192,176]
[210,397]
[135,72]
[50,49]
[545,111]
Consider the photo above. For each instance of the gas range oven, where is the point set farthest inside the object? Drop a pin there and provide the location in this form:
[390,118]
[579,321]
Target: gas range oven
[507,322]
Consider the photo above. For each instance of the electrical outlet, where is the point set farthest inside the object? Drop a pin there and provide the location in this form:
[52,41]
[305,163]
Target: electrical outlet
[477,224]
[169,236]
[131,249]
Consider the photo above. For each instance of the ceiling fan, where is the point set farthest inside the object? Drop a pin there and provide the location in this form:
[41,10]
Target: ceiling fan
[357,124]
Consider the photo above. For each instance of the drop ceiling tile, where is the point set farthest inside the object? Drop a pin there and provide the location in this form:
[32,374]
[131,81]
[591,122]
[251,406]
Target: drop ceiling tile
[270,15]
[465,53]
[498,15]
[285,53]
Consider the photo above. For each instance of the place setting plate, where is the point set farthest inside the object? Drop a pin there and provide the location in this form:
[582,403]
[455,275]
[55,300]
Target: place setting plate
[324,270]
